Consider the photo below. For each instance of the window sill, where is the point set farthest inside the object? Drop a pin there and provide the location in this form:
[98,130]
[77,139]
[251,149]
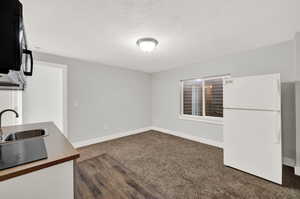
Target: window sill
[210,120]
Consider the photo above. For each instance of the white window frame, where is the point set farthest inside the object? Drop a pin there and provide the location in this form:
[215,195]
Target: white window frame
[206,119]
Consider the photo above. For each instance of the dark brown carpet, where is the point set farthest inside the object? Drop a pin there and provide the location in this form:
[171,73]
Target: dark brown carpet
[103,177]
[183,169]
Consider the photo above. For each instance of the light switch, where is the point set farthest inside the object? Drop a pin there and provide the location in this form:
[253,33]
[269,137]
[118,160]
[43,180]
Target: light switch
[76,103]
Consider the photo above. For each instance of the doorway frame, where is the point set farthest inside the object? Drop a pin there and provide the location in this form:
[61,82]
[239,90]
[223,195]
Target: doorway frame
[65,91]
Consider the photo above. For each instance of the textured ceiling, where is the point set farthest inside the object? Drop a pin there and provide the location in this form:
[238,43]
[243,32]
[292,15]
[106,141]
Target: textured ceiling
[188,31]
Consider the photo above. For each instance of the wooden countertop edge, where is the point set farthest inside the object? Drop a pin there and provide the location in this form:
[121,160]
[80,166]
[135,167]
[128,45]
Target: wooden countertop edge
[39,167]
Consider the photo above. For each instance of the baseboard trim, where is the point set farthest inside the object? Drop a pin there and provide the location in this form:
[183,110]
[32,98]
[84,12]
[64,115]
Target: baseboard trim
[289,162]
[189,137]
[297,170]
[109,137]
[286,160]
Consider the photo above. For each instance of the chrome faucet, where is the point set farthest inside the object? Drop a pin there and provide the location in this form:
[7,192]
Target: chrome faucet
[1,113]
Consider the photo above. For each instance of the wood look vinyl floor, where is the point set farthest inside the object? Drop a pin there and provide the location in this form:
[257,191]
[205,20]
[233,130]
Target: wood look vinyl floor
[157,165]
[103,177]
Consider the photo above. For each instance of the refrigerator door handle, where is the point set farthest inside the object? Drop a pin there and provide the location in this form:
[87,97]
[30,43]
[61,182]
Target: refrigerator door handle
[277,133]
[279,87]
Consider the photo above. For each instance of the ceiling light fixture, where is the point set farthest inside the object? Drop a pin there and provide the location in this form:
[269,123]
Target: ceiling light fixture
[147,44]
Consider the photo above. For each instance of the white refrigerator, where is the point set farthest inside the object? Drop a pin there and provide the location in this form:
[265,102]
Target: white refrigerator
[252,125]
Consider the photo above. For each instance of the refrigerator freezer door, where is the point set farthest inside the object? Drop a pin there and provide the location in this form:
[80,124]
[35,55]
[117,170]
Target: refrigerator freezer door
[252,142]
[253,92]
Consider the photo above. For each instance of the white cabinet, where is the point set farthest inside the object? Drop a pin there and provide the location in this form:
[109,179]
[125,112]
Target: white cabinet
[55,182]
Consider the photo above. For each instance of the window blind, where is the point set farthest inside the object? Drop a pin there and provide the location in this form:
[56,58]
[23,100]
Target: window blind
[203,97]
[192,97]
[214,98]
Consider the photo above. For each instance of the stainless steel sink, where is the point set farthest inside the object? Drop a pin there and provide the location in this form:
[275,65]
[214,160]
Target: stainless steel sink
[17,136]
[22,147]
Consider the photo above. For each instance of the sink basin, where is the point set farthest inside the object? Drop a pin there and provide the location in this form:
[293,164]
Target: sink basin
[25,135]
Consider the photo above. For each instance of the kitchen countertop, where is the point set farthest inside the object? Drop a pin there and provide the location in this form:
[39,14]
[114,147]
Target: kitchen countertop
[59,150]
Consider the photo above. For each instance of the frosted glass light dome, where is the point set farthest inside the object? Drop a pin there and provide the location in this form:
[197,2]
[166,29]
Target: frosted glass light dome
[147,44]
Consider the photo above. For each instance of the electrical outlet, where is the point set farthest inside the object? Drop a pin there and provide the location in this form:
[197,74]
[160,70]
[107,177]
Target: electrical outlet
[119,130]
[105,127]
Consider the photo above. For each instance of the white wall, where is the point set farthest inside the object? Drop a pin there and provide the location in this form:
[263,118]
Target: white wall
[297,90]
[103,100]
[165,88]
[10,99]
[297,55]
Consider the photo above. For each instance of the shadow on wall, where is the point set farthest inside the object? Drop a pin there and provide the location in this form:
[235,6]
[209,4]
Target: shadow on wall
[288,119]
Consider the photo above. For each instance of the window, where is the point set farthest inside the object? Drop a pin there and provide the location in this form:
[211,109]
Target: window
[202,99]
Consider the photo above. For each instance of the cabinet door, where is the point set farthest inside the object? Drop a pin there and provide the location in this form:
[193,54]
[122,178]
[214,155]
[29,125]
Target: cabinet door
[55,182]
